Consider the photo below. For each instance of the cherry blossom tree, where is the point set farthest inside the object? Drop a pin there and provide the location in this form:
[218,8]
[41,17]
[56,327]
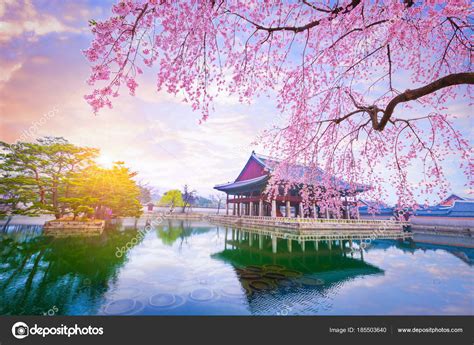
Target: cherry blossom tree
[364,86]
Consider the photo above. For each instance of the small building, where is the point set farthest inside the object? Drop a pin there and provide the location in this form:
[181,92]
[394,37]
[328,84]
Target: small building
[150,206]
[246,195]
[449,201]
[459,216]
[459,209]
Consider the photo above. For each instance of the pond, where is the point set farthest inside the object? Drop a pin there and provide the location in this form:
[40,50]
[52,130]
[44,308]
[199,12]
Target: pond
[195,268]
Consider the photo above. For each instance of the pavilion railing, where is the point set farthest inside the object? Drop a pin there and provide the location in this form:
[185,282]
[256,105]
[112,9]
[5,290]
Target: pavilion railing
[317,220]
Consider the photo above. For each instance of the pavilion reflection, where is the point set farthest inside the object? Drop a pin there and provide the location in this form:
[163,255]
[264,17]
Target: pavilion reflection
[298,277]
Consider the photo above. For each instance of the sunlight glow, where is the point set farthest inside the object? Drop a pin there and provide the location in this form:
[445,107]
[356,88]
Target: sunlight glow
[106,161]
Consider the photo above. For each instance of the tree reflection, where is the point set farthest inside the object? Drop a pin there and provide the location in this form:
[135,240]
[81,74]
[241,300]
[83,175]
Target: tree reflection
[172,230]
[40,272]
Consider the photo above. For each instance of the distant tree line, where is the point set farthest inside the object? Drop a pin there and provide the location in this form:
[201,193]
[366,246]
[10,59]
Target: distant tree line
[188,198]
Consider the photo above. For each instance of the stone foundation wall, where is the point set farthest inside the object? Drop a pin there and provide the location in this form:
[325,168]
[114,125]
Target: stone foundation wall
[72,228]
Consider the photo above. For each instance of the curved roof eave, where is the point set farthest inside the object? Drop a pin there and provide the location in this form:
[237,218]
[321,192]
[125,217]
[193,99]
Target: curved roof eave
[241,184]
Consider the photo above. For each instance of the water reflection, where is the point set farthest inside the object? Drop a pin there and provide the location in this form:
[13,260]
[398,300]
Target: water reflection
[196,268]
[71,274]
[172,230]
[294,278]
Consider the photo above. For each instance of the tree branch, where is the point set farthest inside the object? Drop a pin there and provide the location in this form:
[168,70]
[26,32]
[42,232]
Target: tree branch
[389,67]
[410,95]
[315,7]
[334,13]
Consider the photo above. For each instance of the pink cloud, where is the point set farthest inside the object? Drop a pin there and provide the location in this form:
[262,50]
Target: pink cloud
[18,18]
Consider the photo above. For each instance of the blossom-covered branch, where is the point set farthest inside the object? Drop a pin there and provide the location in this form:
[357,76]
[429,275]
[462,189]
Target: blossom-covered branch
[335,69]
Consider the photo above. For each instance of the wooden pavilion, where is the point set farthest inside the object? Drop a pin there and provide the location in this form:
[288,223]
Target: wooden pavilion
[246,195]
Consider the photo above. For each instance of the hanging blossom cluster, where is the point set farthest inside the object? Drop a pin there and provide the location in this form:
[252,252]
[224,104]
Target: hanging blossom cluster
[364,85]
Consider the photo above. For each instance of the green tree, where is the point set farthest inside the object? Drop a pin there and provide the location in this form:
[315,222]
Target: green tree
[35,176]
[106,191]
[172,198]
[80,205]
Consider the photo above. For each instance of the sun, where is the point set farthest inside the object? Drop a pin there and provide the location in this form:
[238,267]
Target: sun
[105,161]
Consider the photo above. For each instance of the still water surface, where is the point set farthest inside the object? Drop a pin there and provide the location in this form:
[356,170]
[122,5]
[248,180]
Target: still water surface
[190,268]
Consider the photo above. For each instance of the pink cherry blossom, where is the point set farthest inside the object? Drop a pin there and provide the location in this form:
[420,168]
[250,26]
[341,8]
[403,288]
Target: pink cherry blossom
[363,85]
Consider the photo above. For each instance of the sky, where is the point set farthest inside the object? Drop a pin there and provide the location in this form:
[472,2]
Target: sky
[42,84]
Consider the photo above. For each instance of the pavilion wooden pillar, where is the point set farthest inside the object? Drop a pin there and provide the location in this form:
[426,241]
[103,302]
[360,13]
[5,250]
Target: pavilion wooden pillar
[227,205]
[238,206]
[274,208]
[251,209]
[260,208]
[315,211]
[356,205]
[300,210]
[288,209]
[347,208]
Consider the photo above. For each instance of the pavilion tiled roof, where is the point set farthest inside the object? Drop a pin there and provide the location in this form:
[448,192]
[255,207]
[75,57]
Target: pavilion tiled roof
[261,180]
[296,171]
